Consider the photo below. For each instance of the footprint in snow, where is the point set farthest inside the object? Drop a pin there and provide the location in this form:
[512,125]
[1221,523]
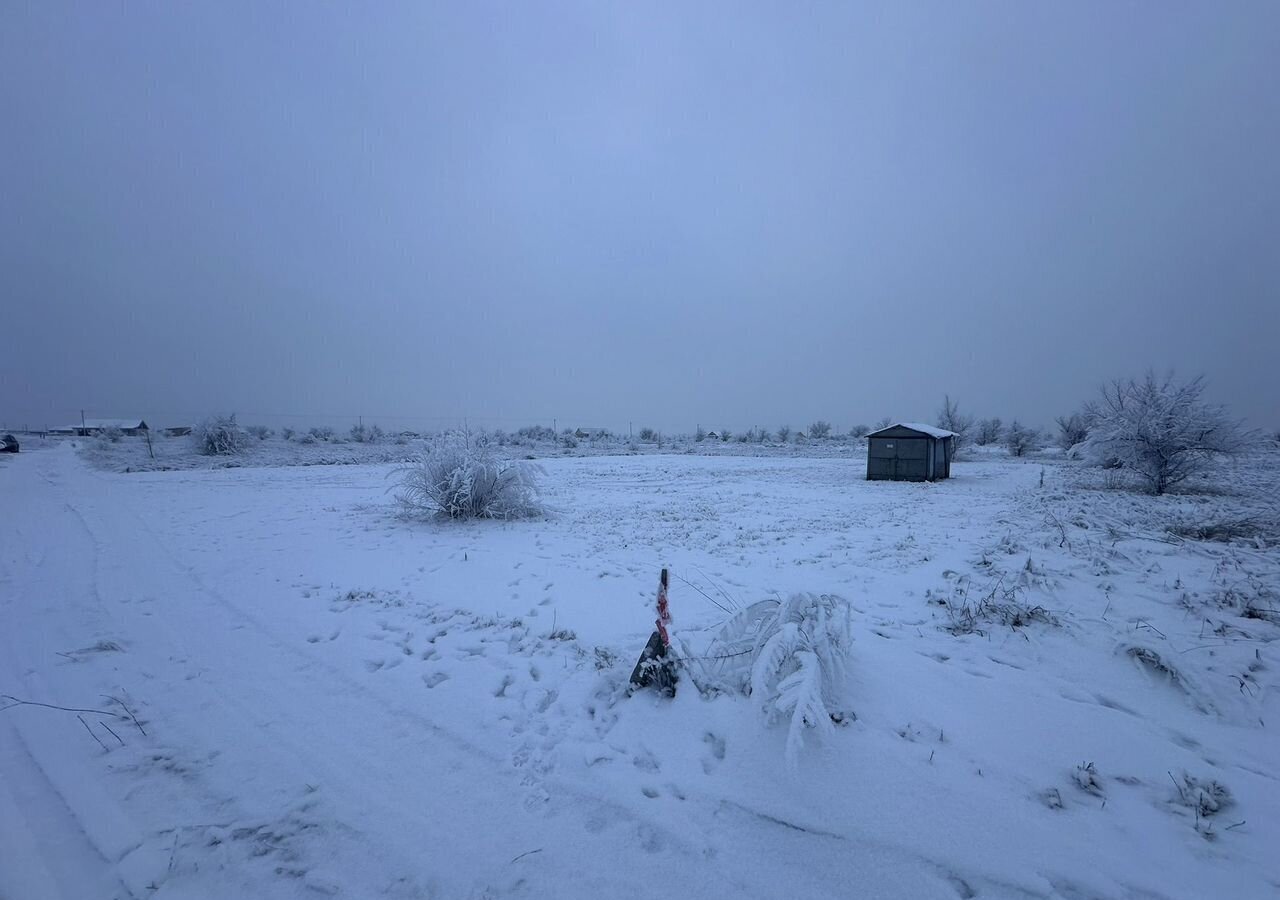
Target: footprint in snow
[434,679]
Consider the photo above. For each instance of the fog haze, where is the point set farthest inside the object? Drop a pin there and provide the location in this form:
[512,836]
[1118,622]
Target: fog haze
[727,215]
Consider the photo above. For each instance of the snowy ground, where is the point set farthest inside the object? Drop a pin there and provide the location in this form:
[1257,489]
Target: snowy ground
[333,702]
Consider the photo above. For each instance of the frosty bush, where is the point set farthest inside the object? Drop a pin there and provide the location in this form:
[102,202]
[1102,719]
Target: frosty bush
[820,429]
[219,436]
[371,435]
[287,433]
[110,435]
[1160,430]
[537,433]
[784,433]
[1018,438]
[462,477]
[794,656]
[261,432]
[859,431]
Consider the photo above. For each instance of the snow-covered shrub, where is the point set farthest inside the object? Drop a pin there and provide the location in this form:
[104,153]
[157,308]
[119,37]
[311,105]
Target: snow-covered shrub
[1160,430]
[859,431]
[287,433]
[537,433]
[219,436]
[1086,778]
[1206,796]
[882,424]
[110,435]
[370,435]
[1001,605]
[322,433]
[725,435]
[1018,438]
[791,656]
[648,434]
[784,433]
[464,477]
[820,429]
[261,432]
[700,435]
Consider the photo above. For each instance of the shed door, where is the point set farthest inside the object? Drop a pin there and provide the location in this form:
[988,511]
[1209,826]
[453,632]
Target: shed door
[912,459]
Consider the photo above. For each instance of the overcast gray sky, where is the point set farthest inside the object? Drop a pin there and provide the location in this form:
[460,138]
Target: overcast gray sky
[728,214]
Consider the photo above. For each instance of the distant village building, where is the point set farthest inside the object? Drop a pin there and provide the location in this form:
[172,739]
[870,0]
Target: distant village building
[177,431]
[909,451]
[91,427]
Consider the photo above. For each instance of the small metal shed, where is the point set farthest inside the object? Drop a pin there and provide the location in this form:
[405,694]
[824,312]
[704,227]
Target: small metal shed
[909,451]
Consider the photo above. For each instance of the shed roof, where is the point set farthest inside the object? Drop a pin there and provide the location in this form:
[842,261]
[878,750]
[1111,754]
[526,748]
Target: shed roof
[917,426]
[114,423]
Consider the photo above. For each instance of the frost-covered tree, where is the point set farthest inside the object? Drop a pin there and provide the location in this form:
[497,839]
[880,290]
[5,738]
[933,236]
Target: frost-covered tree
[882,424]
[1160,429]
[784,434]
[951,419]
[1018,438]
[460,476]
[820,429]
[988,431]
[1072,429]
[725,435]
[648,434]
[219,436]
[700,435]
[859,431]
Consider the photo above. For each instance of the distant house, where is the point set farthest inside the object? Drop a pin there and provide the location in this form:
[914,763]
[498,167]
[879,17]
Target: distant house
[90,427]
[177,431]
[909,451]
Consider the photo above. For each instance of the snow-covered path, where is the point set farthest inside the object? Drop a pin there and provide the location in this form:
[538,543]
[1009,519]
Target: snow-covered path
[338,703]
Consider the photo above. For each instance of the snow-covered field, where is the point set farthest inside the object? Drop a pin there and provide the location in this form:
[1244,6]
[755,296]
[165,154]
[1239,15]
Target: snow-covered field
[331,701]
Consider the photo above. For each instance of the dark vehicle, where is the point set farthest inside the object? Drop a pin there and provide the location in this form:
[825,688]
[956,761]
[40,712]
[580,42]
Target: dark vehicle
[8,444]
